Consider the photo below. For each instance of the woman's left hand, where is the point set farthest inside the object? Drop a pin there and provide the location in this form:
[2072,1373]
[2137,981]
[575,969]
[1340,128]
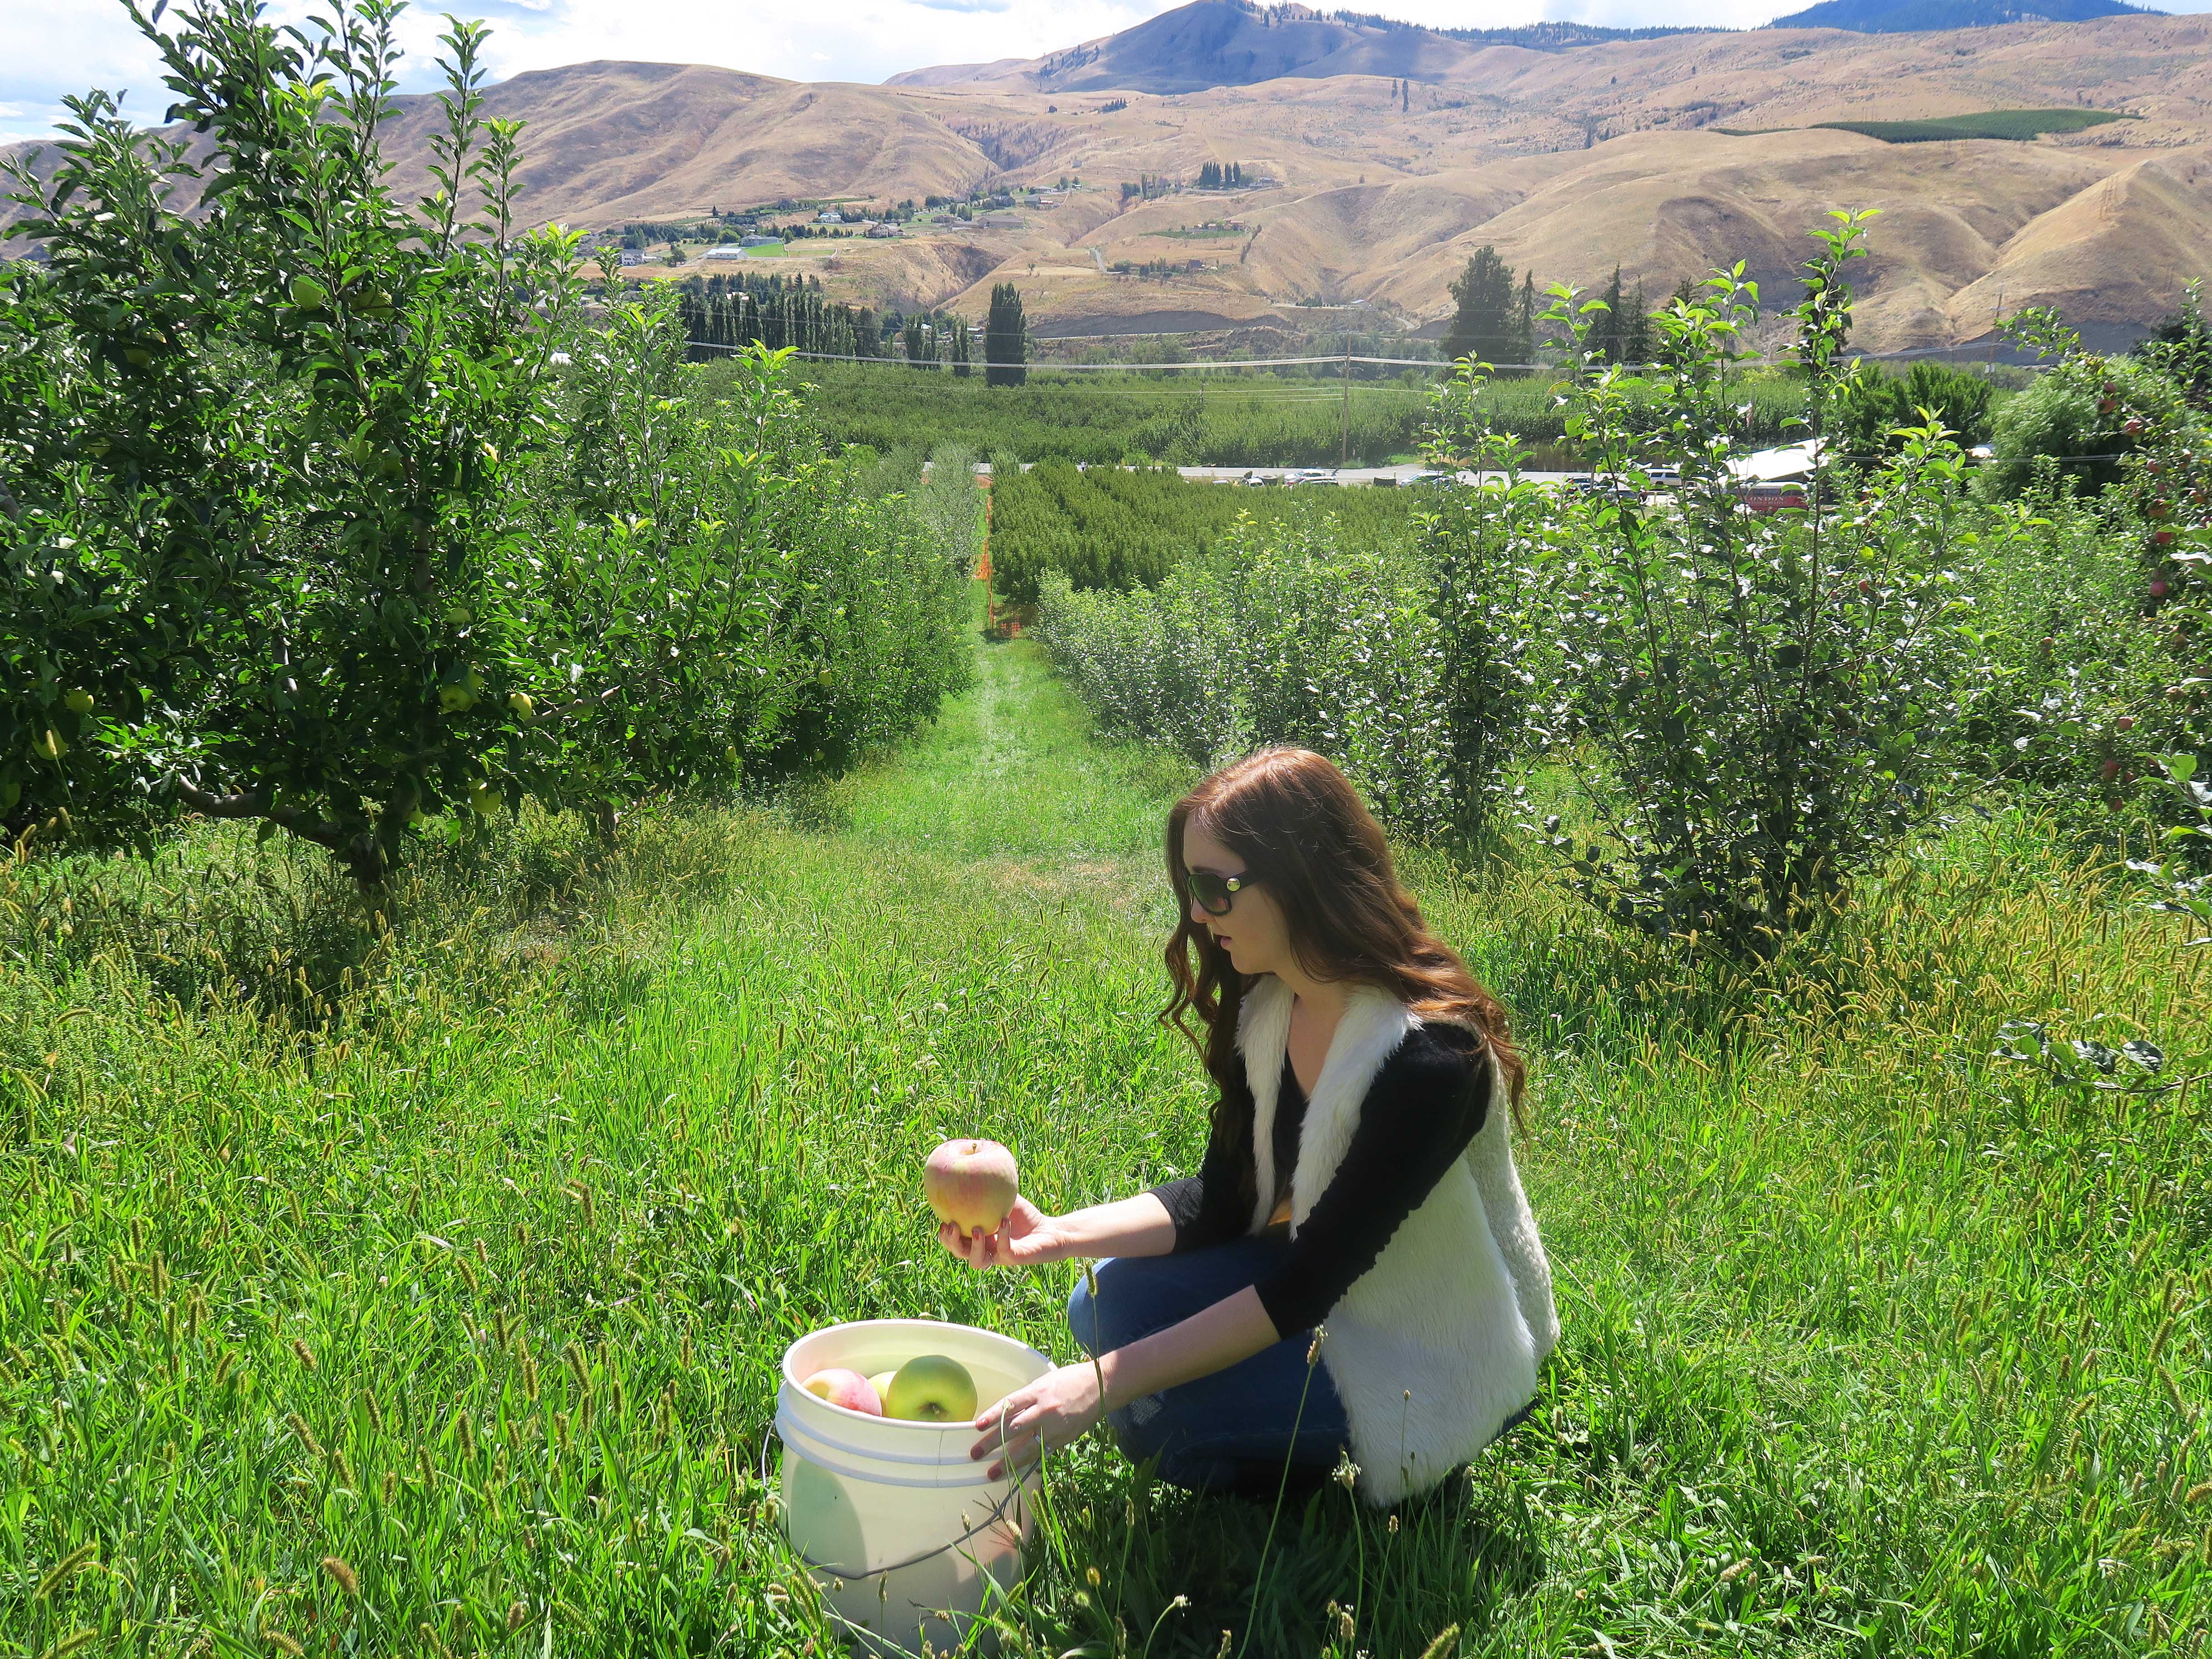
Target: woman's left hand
[1043,1416]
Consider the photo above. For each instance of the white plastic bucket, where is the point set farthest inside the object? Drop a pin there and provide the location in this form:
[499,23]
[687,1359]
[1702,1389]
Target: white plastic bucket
[900,1528]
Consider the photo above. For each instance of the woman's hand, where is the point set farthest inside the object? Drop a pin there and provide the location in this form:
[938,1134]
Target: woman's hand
[1049,1414]
[1024,1239]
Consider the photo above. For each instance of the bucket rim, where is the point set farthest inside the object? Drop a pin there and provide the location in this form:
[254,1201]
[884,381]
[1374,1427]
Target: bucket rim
[793,1380]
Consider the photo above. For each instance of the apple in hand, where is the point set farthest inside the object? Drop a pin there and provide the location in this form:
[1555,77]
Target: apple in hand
[848,1388]
[932,1389]
[971,1184]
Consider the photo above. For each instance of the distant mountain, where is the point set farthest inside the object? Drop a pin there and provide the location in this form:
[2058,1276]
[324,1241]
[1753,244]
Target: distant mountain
[1917,17]
[1236,43]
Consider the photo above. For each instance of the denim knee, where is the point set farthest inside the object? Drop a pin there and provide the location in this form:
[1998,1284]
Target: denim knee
[1122,1311]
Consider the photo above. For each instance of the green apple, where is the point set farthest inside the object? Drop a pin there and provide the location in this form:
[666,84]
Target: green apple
[932,1389]
[78,700]
[881,1383]
[520,703]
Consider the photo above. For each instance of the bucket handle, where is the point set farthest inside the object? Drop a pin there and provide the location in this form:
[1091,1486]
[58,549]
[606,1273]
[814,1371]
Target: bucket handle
[996,1511]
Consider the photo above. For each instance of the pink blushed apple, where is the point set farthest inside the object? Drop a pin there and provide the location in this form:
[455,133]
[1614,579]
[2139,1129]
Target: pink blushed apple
[971,1184]
[848,1388]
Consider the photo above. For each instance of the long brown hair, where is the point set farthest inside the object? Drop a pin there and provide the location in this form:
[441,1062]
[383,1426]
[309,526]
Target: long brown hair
[1310,841]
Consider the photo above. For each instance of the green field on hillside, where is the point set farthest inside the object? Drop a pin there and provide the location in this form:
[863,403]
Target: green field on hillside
[2017,125]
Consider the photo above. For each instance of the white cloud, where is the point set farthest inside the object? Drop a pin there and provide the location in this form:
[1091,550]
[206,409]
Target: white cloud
[51,47]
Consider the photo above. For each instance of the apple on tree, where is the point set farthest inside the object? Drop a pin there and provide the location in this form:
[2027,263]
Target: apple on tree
[972,1184]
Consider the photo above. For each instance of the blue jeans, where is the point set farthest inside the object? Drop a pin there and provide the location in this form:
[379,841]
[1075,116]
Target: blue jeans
[1268,1410]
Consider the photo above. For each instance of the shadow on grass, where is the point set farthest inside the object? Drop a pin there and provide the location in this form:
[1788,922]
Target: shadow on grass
[1281,1584]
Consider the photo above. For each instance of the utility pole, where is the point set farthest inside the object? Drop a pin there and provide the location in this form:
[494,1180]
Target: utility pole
[1344,442]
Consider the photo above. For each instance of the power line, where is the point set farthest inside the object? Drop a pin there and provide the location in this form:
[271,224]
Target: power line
[1430,363]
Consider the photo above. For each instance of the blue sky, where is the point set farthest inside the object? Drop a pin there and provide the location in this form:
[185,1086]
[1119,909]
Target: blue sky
[51,47]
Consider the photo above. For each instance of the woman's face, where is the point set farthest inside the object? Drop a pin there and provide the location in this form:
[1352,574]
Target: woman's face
[1253,932]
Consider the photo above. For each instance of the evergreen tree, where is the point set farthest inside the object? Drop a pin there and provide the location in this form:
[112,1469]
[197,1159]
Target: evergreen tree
[1005,338]
[1605,336]
[1525,320]
[1635,337]
[1482,327]
[963,348]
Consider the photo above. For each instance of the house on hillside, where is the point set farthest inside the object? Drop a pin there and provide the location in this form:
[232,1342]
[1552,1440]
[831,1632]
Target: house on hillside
[999,220]
[757,240]
[882,228]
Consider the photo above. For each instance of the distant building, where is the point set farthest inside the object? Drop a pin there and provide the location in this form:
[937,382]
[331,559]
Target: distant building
[883,229]
[829,216]
[724,254]
[761,241]
[632,256]
[999,220]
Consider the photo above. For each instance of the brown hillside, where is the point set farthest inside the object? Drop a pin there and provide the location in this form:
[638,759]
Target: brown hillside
[1568,161]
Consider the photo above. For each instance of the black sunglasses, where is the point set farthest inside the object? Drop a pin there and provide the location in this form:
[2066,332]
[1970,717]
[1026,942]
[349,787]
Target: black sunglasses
[1215,894]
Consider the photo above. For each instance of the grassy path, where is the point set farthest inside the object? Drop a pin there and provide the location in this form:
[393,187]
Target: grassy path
[1870,1348]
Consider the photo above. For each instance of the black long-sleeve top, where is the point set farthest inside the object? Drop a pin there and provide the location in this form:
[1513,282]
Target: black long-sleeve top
[1427,1104]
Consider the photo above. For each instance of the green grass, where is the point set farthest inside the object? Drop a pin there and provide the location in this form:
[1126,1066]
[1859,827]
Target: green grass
[1233,418]
[2020,125]
[469,1264]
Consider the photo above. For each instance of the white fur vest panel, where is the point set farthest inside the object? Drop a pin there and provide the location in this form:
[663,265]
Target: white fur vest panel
[1438,1344]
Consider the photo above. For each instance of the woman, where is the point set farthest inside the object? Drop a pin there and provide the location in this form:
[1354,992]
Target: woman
[1357,1182]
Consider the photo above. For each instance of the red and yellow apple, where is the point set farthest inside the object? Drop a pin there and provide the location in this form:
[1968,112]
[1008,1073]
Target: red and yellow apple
[931,1388]
[848,1388]
[970,1183]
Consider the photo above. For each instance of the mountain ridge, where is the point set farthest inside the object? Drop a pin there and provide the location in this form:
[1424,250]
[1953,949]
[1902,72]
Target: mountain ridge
[1927,16]
[1367,193]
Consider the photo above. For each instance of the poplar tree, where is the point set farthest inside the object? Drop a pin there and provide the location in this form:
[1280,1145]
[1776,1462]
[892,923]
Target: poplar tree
[1005,338]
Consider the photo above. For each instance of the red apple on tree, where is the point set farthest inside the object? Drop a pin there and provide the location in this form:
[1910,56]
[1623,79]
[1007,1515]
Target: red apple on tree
[970,1183]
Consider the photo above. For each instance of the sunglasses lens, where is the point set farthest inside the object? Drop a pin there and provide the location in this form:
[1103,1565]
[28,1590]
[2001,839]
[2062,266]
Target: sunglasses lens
[1211,892]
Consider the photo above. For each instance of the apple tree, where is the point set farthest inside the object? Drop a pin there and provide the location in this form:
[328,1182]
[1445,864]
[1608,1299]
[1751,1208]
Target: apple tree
[264,423]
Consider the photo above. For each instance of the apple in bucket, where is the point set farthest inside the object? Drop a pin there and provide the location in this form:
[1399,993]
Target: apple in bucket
[931,1388]
[970,1183]
[848,1388]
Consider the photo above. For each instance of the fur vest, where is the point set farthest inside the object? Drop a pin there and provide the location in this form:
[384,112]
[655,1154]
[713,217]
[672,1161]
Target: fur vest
[1439,1343]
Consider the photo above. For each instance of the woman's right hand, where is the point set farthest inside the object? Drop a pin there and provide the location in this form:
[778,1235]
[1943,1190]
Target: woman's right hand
[1024,1239]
